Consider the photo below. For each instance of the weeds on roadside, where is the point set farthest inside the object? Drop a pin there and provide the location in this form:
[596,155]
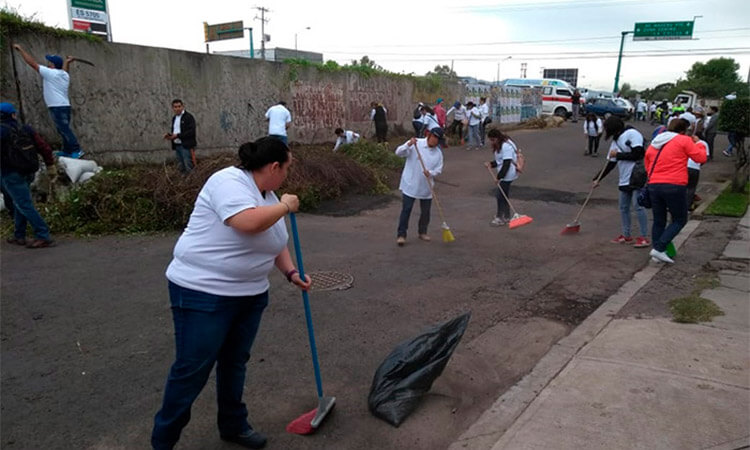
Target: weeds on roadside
[728,203]
[694,308]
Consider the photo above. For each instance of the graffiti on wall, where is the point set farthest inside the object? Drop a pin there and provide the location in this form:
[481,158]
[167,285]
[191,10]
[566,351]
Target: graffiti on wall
[317,106]
[359,106]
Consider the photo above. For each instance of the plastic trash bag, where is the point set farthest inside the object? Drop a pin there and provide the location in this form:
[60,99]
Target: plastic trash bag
[411,368]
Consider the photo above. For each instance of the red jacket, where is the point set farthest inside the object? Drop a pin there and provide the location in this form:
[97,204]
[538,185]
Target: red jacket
[671,167]
[440,114]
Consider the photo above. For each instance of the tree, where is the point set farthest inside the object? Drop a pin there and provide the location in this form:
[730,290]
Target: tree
[366,62]
[714,78]
[734,116]
[442,71]
[626,91]
[658,92]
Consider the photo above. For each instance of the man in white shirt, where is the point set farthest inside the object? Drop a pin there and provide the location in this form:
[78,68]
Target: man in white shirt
[641,110]
[345,137]
[278,118]
[484,112]
[55,84]
[475,118]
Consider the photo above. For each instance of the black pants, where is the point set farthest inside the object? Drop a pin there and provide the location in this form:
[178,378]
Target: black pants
[457,126]
[380,132]
[693,177]
[503,209]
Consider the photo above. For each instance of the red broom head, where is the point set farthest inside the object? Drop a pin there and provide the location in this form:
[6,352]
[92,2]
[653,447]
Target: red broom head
[571,229]
[301,425]
[519,222]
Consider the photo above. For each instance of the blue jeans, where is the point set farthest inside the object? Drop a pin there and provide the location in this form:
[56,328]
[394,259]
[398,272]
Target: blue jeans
[473,137]
[184,157]
[503,209]
[627,198]
[407,203]
[280,137]
[61,116]
[17,186]
[672,198]
[209,329]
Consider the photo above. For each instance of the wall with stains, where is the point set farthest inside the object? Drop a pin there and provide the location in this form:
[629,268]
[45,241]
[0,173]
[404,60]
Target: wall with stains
[122,106]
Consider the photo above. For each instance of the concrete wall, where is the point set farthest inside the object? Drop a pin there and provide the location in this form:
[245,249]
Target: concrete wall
[122,107]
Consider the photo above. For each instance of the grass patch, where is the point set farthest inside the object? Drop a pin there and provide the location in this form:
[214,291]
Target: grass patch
[156,198]
[728,203]
[694,309]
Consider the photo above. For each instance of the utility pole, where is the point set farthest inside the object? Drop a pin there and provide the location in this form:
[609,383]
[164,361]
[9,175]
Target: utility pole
[619,61]
[263,21]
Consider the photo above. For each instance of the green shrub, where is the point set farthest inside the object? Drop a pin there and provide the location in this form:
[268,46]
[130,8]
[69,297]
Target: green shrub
[734,116]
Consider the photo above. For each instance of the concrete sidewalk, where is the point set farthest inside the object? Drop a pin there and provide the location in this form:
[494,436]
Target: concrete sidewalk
[637,384]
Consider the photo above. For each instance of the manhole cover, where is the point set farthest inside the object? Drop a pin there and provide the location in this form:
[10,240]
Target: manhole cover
[330,281]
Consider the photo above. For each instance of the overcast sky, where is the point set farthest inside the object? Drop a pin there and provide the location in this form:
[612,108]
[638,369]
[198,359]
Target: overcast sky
[474,36]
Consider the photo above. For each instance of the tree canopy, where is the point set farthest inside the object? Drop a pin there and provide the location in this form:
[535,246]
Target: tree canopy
[442,71]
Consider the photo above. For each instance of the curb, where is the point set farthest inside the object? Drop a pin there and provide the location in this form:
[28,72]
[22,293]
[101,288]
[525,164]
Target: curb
[509,407]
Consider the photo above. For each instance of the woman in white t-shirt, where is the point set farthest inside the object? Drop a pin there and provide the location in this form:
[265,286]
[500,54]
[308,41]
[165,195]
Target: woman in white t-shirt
[218,287]
[506,156]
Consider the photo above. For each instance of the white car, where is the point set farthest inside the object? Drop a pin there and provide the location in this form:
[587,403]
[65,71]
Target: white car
[625,103]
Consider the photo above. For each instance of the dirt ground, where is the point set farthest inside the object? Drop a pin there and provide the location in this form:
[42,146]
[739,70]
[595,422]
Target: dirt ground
[87,336]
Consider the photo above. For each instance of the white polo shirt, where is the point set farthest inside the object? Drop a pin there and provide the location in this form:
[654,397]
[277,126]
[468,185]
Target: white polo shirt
[55,83]
[278,116]
[212,257]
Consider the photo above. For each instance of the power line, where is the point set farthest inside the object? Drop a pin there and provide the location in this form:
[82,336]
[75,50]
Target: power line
[580,53]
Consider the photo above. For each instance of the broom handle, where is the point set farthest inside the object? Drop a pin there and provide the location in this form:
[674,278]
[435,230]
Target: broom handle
[591,191]
[432,191]
[306,300]
[497,183]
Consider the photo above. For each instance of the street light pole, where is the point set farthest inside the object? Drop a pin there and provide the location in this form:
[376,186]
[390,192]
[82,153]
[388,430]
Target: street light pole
[296,53]
[498,69]
[619,61]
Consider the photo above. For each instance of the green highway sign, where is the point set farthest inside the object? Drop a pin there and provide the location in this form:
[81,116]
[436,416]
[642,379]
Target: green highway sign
[658,31]
[96,5]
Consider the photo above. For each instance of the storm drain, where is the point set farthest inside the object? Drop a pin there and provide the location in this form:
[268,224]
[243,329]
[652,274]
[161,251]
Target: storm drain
[331,281]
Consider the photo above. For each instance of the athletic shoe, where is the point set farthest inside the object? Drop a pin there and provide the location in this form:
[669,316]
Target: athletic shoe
[425,237]
[661,256]
[248,439]
[642,241]
[62,153]
[622,240]
[595,154]
[400,241]
[498,222]
[77,155]
[726,153]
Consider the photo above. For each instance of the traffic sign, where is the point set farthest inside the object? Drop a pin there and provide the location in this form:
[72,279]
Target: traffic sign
[658,31]
[222,31]
[97,5]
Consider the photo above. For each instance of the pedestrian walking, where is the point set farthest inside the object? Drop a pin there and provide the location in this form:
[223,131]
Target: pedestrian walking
[279,119]
[218,288]
[625,151]
[593,129]
[457,125]
[665,161]
[414,180]
[20,146]
[709,129]
[378,115]
[484,116]
[505,154]
[182,136]
[475,118]
[345,137]
[640,110]
[575,103]
[55,86]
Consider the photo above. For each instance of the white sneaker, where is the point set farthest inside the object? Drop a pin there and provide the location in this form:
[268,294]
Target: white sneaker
[661,256]
[498,222]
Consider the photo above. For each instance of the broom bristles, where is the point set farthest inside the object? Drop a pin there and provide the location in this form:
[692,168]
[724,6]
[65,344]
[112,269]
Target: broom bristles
[448,236]
[571,229]
[303,423]
[519,221]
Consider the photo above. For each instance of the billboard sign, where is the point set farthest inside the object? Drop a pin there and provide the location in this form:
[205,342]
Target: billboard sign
[660,31]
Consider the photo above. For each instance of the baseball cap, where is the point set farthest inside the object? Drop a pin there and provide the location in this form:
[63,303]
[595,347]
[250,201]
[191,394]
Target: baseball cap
[7,108]
[457,104]
[56,60]
[439,100]
[438,133]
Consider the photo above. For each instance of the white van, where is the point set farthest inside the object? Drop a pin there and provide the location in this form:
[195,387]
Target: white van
[557,95]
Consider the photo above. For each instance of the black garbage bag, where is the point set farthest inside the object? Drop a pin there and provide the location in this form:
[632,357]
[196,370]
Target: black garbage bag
[409,371]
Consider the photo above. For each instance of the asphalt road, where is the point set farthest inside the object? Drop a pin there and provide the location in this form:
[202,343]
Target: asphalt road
[87,334]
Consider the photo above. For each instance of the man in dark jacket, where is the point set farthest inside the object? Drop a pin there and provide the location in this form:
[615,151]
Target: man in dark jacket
[182,136]
[378,115]
[16,180]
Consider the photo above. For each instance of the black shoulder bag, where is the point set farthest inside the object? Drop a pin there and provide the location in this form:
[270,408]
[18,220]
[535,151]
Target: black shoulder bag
[644,197]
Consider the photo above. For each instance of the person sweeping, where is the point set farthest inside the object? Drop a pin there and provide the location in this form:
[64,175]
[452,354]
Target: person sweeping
[505,153]
[417,180]
[218,288]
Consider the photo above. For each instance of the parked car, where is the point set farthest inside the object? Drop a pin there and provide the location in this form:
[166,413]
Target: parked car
[625,103]
[605,107]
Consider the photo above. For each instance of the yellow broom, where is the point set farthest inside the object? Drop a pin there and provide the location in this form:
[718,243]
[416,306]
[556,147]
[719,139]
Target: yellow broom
[447,235]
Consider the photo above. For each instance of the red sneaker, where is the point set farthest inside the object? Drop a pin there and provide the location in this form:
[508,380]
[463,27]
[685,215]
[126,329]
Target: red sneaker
[641,242]
[622,240]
